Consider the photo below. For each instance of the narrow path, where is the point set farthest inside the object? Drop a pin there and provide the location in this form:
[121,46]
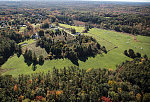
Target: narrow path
[66,31]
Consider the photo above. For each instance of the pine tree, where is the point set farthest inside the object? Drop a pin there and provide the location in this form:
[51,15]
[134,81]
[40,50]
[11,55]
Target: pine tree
[34,60]
[41,60]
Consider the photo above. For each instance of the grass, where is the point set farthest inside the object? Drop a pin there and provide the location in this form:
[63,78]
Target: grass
[22,68]
[37,50]
[143,39]
[78,29]
[109,39]
[122,41]
[22,29]
[28,41]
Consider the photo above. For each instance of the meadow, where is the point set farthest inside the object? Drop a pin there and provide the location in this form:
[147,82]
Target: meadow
[115,43]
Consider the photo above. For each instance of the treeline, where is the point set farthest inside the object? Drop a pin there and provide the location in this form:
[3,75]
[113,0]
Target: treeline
[78,48]
[13,35]
[8,44]
[130,82]
[128,23]
[134,24]
[8,48]
[64,19]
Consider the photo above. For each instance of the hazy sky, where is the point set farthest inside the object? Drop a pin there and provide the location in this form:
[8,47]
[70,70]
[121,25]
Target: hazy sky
[85,0]
[125,0]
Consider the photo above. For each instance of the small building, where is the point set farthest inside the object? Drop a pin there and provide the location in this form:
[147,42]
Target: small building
[51,26]
[23,25]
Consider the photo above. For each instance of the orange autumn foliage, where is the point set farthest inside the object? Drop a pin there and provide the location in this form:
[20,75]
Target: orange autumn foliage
[53,92]
[59,92]
[39,98]
[21,97]
[30,81]
[15,87]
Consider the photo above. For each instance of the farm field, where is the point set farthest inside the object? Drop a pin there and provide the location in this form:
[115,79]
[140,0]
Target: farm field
[114,42]
[78,29]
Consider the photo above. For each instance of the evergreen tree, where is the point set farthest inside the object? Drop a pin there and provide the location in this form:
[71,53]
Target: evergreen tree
[41,60]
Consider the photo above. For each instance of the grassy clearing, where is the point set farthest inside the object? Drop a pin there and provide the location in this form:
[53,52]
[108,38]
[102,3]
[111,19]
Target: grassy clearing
[143,39]
[78,29]
[109,39]
[20,67]
[28,41]
[31,45]
[37,50]
[22,29]
[122,41]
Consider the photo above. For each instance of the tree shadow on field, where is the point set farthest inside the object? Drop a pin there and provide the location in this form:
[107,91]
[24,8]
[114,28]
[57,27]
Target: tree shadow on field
[28,62]
[75,62]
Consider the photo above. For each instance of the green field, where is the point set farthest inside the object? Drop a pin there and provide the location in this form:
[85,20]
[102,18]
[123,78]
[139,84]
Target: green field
[109,39]
[22,29]
[28,41]
[78,29]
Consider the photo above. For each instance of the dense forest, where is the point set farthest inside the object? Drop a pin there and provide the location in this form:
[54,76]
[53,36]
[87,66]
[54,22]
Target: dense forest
[129,23]
[8,48]
[9,40]
[129,82]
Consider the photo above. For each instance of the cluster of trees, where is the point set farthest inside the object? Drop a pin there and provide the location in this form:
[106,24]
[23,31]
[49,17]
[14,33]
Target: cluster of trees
[45,25]
[8,48]
[80,47]
[30,58]
[11,34]
[64,19]
[130,82]
[130,53]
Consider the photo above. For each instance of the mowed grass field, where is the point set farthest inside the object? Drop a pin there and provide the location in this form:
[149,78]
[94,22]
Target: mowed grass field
[78,29]
[109,39]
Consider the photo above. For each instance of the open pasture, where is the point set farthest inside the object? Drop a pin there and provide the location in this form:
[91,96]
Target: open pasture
[115,42]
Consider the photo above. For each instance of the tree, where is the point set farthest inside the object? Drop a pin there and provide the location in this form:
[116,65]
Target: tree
[104,49]
[87,28]
[41,33]
[98,45]
[138,55]
[34,59]
[34,67]
[73,31]
[45,25]
[131,53]
[146,97]
[41,60]
[19,52]
[126,53]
